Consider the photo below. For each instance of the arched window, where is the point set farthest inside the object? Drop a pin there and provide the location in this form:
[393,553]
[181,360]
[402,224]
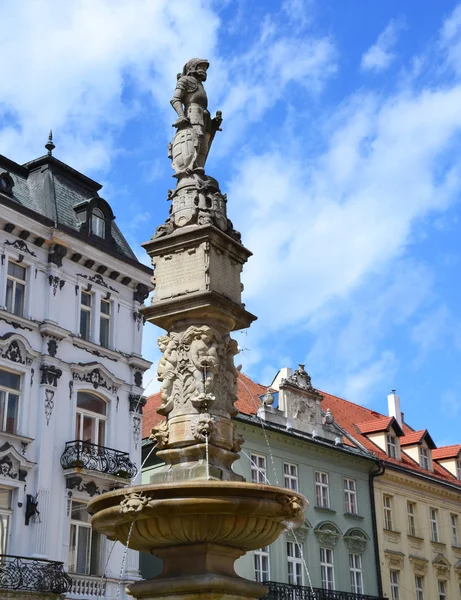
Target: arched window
[90,425]
[98,223]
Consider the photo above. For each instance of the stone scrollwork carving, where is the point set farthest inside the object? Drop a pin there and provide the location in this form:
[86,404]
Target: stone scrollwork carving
[300,378]
[238,441]
[327,534]
[419,565]
[197,370]
[49,405]
[356,541]
[160,434]
[202,426]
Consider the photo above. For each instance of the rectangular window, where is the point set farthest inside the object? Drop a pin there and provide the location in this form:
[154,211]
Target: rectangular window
[258,468]
[395,585]
[10,387]
[434,518]
[454,530]
[411,512]
[327,569]
[5,515]
[290,473]
[15,288]
[424,457]
[355,568]
[350,496]
[387,504]
[104,324]
[85,315]
[261,562]
[442,590]
[391,446]
[419,585]
[295,564]
[458,469]
[321,490]
[85,546]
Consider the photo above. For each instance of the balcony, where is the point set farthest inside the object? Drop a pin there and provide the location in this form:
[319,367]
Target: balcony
[84,455]
[18,573]
[286,591]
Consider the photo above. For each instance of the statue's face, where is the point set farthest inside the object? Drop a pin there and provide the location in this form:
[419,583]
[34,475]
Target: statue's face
[202,71]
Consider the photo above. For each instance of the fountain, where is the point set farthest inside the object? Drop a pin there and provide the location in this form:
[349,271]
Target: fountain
[196,514]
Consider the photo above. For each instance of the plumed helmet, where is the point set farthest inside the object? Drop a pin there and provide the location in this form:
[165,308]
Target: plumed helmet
[192,64]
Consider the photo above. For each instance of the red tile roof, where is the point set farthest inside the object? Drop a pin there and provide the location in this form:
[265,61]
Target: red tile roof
[348,415]
[375,425]
[446,452]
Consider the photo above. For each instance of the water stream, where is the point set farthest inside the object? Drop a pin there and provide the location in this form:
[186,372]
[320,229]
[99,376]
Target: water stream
[122,566]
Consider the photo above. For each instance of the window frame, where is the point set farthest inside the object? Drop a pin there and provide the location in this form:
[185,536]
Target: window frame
[84,308]
[106,317]
[424,458]
[100,221]
[391,444]
[395,584]
[261,557]
[258,472]
[291,480]
[388,512]
[327,568]
[458,469]
[434,521]
[350,496]
[8,393]
[419,587]
[322,489]
[16,281]
[454,530]
[411,519]
[97,418]
[8,513]
[76,524]
[442,589]
[295,564]
[356,573]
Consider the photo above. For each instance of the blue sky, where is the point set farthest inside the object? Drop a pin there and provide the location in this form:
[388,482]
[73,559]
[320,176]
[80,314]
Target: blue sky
[340,155]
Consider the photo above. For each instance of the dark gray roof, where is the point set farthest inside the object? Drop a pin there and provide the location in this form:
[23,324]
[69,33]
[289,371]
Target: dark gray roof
[52,189]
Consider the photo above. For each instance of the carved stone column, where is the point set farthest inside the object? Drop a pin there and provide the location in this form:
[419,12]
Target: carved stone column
[198,301]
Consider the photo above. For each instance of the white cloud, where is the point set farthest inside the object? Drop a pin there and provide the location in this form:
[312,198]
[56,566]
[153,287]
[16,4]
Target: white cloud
[380,55]
[71,67]
[450,39]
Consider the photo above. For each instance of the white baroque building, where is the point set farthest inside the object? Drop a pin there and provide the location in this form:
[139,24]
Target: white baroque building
[70,379]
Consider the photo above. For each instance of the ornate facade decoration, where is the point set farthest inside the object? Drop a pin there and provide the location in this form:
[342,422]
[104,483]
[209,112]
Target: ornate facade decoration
[98,279]
[96,378]
[88,487]
[197,370]
[29,575]
[141,292]
[327,534]
[442,567]
[52,347]
[395,560]
[419,565]
[300,378]
[139,319]
[356,540]
[21,246]
[137,402]
[136,430]
[84,455]
[56,283]
[137,378]
[300,534]
[49,405]
[57,253]
[13,465]
[50,375]
[16,349]
[133,503]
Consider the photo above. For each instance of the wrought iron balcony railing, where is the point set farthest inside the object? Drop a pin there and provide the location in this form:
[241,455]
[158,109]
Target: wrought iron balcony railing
[286,591]
[85,455]
[34,575]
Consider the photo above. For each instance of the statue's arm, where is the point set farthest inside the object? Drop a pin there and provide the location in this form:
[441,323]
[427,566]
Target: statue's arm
[177,102]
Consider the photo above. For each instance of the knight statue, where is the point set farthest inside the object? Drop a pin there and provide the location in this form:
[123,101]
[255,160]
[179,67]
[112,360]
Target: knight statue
[195,127]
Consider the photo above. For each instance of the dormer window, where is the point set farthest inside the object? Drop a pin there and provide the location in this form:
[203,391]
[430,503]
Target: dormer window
[6,184]
[424,457]
[391,445]
[98,223]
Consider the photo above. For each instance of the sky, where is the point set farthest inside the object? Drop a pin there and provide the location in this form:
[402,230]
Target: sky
[340,157]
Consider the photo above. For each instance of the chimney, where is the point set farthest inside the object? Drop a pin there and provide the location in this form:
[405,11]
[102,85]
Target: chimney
[393,403]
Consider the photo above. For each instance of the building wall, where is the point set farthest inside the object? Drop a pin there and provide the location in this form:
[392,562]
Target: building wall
[47,408]
[418,555]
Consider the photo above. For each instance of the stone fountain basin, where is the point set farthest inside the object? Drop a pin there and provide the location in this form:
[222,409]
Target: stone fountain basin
[241,515]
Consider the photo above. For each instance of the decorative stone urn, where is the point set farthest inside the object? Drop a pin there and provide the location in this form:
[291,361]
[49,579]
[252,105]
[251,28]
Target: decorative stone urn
[197,515]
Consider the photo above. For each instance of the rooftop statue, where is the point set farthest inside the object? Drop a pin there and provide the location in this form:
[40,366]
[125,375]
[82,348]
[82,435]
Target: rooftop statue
[195,127]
